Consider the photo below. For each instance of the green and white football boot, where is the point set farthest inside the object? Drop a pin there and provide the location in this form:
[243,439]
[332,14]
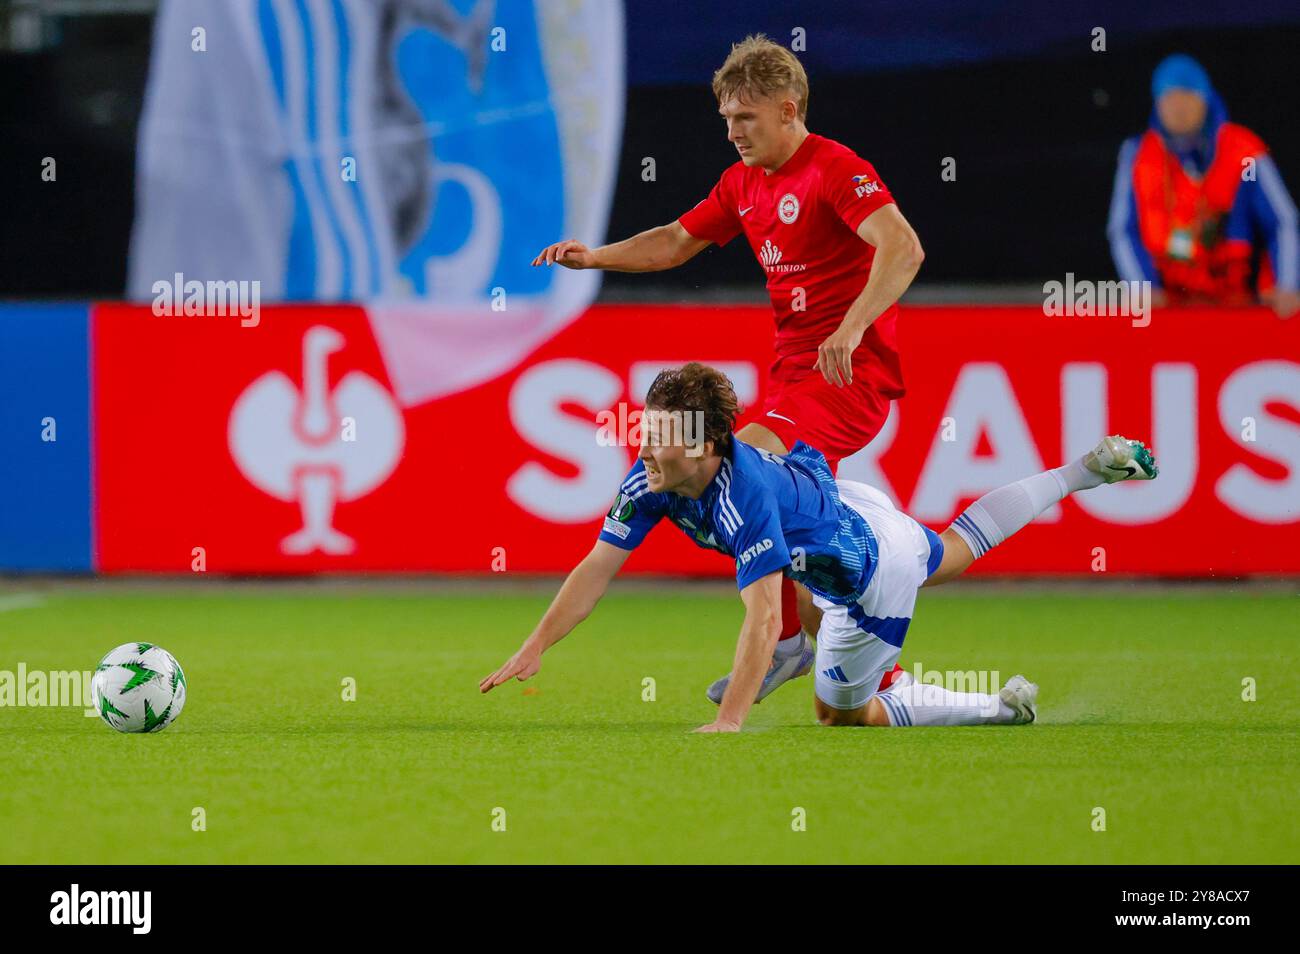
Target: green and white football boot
[1118,458]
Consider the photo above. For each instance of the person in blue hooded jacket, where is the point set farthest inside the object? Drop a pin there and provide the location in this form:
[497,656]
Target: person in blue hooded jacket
[1198,200]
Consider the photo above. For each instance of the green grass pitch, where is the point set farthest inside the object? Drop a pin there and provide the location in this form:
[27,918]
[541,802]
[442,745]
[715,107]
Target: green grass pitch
[1141,714]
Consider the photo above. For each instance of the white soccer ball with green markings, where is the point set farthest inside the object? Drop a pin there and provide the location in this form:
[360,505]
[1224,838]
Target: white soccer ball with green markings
[138,687]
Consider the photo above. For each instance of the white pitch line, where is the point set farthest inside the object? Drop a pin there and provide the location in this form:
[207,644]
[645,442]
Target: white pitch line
[20,601]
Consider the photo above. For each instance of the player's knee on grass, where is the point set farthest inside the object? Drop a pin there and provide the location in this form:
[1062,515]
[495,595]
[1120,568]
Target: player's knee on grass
[957,557]
[876,714]
[873,713]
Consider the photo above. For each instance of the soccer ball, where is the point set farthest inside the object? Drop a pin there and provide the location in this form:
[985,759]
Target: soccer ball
[138,687]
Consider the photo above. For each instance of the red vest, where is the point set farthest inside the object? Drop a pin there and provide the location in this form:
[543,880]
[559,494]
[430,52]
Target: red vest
[1182,219]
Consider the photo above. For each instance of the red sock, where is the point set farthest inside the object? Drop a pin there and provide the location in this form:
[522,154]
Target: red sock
[790,625]
[887,679]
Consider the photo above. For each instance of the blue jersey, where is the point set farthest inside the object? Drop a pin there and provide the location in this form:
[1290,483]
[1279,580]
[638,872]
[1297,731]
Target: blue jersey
[769,513]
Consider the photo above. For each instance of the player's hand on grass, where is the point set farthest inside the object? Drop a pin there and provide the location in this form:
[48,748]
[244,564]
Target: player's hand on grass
[719,727]
[570,253]
[522,665]
[835,356]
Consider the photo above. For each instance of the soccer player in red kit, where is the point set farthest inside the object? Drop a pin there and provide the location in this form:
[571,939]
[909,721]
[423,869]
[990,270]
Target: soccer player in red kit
[837,254]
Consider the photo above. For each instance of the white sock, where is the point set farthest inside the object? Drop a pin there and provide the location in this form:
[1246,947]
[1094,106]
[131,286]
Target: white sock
[1010,508]
[926,704]
[1077,477]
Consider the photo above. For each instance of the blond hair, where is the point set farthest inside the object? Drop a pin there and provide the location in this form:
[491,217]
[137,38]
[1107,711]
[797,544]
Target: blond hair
[757,67]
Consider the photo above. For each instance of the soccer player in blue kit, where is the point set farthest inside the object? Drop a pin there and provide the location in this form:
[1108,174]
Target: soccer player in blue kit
[862,559]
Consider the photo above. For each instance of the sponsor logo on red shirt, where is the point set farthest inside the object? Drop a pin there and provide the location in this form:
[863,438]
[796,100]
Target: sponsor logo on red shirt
[770,257]
[865,186]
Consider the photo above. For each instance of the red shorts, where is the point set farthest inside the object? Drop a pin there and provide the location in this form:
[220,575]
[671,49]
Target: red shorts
[838,421]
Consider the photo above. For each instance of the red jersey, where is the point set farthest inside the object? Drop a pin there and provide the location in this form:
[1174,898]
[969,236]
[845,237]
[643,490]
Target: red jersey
[801,222]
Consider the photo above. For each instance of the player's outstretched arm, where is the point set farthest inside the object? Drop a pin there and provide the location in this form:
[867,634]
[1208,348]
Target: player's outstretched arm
[758,637]
[651,251]
[897,260]
[581,591]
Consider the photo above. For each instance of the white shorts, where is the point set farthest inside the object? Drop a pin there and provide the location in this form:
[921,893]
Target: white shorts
[857,645]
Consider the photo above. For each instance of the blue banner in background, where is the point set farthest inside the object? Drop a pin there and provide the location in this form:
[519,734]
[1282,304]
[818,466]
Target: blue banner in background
[854,37]
[45,490]
[408,155]
[378,150]
[497,185]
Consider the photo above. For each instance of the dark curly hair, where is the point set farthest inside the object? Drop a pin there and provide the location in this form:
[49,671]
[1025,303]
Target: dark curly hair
[696,387]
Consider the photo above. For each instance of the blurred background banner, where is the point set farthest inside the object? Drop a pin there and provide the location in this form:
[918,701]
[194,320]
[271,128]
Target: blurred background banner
[383,151]
[207,434]
[386,170]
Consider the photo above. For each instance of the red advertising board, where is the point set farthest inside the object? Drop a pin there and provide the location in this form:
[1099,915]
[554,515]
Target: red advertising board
[282,448]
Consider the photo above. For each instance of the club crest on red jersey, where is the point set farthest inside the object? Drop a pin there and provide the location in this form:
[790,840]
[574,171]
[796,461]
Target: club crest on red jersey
[788,208]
